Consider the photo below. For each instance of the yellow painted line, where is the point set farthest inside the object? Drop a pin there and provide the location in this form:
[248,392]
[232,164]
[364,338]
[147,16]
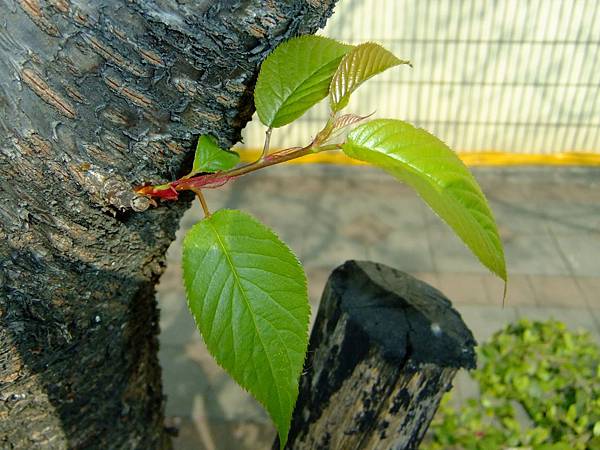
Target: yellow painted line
[475,158]
[524,159]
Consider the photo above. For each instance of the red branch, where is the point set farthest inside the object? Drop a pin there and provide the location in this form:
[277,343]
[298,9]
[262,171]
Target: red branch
[170,191]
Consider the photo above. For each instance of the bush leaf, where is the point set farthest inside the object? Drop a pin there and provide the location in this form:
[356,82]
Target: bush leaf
[210,157]
[296,76]
[247,293]
[438,175]
[361,63]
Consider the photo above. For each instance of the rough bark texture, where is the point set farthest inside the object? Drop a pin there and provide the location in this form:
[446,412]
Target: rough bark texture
[97,97]
[384,349]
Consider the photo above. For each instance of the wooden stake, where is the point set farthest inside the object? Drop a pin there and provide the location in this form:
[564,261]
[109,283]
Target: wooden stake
[384,349]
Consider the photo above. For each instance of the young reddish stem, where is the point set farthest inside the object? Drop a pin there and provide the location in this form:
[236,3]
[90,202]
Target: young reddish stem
[170,191]
[200,196]
[265,151]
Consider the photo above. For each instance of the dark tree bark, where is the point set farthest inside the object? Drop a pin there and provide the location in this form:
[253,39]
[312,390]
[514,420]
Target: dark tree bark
[96,97]
[384,349]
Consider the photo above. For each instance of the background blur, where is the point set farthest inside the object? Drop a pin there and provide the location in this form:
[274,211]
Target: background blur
[518,78]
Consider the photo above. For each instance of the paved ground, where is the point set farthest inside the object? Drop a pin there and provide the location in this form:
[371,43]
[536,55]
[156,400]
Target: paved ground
[549,220]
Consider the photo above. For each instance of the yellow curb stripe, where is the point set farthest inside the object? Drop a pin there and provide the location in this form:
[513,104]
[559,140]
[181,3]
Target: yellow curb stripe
[492,158]
[476,158]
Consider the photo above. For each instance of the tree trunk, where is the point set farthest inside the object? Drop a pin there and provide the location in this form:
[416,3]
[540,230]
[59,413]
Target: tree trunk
[384,349]
[97,97]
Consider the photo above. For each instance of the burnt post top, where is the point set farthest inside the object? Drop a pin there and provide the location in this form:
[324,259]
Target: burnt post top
[383,351]
[408,319]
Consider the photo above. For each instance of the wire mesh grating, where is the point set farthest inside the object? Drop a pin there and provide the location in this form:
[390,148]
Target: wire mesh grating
[517,76]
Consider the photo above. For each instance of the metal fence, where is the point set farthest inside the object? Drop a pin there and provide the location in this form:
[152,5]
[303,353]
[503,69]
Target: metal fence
[518,76]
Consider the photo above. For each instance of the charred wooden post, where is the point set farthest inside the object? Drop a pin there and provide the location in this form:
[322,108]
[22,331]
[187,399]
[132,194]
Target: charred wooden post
[384,349]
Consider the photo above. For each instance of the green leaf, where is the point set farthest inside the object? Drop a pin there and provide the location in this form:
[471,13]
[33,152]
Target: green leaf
[212,158]
[347,120]
[295,77]
[247,293]
[361,63]
[438,175]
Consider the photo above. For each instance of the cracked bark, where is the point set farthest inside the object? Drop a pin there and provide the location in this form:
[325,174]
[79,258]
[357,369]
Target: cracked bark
[95,98]
[384,349]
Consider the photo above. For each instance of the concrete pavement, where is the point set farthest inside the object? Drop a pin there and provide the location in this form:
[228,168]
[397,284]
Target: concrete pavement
[549,220]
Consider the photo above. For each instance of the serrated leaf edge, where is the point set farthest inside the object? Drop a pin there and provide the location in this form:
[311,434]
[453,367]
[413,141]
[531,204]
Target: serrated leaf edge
[501,273]
[304,285]
[344,98]
[279,48]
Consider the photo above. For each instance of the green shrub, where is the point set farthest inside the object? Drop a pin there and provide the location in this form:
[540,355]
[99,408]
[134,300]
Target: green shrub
[539,389]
